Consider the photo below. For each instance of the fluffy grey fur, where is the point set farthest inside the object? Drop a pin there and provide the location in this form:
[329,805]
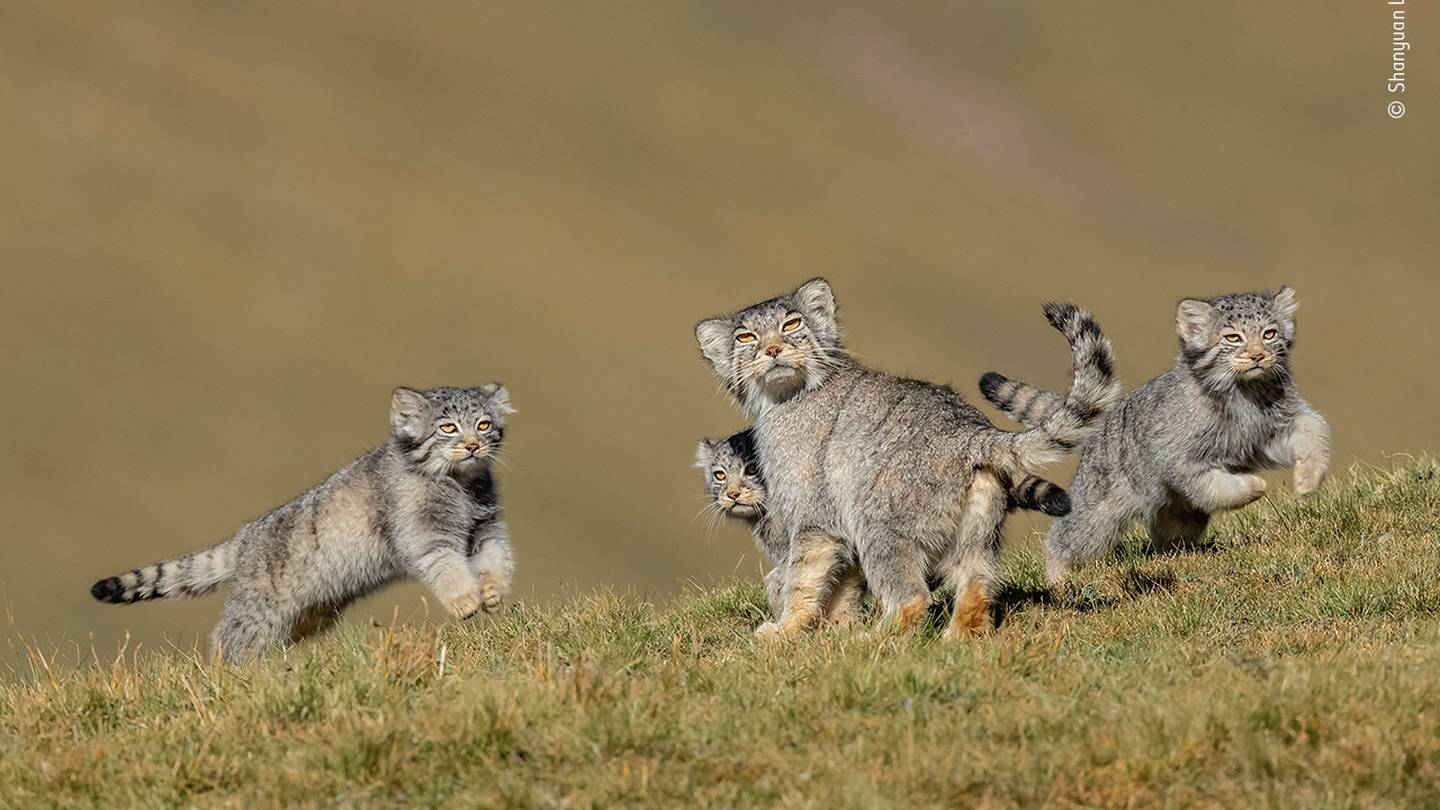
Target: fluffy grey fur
[903,475]
[423,505]
[737,489]
[1187,444]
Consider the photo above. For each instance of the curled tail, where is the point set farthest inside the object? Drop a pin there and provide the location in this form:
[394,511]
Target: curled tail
[1038,495]
[1058,425]
[190,575]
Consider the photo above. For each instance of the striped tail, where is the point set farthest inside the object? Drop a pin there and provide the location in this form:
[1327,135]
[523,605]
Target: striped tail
[1094,377]
[1038,495]
[191,575]
[1058,425]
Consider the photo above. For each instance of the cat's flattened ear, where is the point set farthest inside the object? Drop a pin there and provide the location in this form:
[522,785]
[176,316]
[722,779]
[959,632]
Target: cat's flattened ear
[499,397]
[1194,320]
[716,337]
[817,300]
[1285,303]
[409,410]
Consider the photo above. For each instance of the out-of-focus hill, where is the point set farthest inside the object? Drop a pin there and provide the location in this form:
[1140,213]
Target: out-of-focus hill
[228,230]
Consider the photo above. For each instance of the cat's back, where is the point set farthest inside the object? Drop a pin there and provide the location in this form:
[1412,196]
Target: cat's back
[346,509]
[1171,419]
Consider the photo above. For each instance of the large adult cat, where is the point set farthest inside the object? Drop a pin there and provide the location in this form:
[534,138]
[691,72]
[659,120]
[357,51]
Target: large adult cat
[903,473]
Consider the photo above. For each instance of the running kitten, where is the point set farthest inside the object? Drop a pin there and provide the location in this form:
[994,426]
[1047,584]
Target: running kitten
[424,505]
[1187,444]
[906,473]
[737,490]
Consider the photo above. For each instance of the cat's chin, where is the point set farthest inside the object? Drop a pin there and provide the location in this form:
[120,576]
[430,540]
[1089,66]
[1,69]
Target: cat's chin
[470,465]
[781,383]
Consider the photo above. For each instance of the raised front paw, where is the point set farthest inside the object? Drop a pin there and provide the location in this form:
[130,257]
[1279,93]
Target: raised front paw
[1309,473]
[490,595]
[462,599]
[1257,488]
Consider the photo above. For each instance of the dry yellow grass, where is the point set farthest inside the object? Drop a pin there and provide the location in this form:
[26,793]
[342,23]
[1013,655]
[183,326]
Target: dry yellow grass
[1291,665]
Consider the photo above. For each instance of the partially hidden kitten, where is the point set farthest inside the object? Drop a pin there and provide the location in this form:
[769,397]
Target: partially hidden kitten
[904,474]
[1186,445]
[737,489]
[424,505]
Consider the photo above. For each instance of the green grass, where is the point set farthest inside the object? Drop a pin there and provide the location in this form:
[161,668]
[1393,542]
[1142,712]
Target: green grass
[1295,664]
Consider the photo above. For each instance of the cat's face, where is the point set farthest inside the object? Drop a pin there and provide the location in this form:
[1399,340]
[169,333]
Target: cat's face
[1241,338]
[450,431]
[732,476]
[769,352]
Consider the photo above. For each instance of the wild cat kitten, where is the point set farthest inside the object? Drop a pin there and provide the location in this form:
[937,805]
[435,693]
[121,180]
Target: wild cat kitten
[1187,444]
[424,505]
[906,473]
[737,490]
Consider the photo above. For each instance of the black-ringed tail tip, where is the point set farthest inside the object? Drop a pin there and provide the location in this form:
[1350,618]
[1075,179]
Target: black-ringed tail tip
[109,590]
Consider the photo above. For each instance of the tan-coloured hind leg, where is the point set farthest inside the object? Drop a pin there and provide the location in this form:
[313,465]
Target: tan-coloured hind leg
[814,558]
[846,603]
[972,568]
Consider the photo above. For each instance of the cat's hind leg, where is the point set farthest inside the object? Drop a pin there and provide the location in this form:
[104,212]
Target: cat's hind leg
[250,624]
[972,568]
[894,569]
[1177,527]
[1087,532]
[316,620]
[815,560]
[847,599]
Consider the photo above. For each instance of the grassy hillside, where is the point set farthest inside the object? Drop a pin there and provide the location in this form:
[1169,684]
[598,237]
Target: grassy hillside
[230,229]
[1293,664]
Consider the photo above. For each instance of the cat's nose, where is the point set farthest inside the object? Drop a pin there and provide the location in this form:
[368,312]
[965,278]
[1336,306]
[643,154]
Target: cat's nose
[773,351]
[732,494]
[472,445]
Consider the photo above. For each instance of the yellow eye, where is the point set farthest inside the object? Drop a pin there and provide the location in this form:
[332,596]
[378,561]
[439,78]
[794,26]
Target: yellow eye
[483,425]
[1270,334]
[745,337]
[448,427]
[719,475]
[1233,338]
[790,325]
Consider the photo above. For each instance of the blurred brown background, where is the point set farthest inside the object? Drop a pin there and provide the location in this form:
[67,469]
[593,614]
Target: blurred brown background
[229,229]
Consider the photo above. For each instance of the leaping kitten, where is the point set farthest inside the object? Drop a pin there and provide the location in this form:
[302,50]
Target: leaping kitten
[1186,445]
[737,490]
[424,505]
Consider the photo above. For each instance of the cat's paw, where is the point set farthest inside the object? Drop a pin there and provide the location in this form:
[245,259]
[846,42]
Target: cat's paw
[462,599]
[1257,488]
[769,632]
[490,595]
[1309,473]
